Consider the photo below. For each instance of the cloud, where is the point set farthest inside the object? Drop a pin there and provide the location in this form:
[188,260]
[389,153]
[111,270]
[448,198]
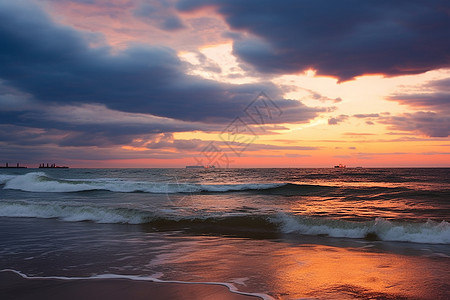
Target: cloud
[88,125]
[337,120]
[55,65]
[100,116]
[370,117]
[159,13]
[311,94]
[436,101]
[428,123]
[342,39]
[13,100]
[365,155]
[360,116]
[167,141]
[27,136]
[357,134]
[433,117]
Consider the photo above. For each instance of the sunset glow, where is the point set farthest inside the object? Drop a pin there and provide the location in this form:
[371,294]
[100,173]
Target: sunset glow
[154,84]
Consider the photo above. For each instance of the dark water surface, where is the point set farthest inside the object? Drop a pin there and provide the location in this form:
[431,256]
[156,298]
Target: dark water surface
[288,233]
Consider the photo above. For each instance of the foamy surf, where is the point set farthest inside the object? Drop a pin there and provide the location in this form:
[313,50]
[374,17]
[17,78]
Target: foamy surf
[155,278]
[73,213]
[429,232]
[5,178]
[42,183]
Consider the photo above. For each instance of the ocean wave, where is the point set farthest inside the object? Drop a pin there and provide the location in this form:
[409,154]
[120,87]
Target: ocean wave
[5,178]
[40,182]
[73,213]
[429,232]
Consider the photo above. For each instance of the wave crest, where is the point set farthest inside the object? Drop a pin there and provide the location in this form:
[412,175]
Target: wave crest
[40,182]
[429,232]
[73,213]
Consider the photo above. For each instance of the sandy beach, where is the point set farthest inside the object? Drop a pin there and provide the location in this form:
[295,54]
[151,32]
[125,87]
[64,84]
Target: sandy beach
[15,287]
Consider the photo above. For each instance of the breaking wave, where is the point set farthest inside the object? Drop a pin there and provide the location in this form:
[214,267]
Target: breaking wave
[429,232]
[40,182]
[5,178]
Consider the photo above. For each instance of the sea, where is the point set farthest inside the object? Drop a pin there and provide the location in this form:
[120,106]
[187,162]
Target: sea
[325,233]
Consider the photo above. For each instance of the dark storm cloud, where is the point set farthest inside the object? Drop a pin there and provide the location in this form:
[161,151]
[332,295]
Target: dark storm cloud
[343,39]
[27,136]
[15,135]
[33,156]
[437,101]
[442,85]
[159,13]
[434,118]
[55,65]
[87,125]
[427,123]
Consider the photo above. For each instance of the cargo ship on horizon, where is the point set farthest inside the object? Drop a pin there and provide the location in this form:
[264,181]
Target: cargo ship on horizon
[340,166]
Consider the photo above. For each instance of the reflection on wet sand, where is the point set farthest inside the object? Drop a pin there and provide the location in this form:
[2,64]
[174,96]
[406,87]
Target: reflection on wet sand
[347,273]
[288,270]
[284,267]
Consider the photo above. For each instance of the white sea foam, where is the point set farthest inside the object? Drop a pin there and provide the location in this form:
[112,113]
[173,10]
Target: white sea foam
[429,232]
[73,213]
[154,278]
[5,178]
[40,182]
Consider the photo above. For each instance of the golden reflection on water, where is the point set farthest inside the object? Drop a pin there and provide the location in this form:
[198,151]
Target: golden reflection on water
[339,273]
[292,271]
[395,209]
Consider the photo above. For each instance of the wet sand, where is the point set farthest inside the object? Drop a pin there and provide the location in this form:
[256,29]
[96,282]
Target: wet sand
[15,287]
[68,255]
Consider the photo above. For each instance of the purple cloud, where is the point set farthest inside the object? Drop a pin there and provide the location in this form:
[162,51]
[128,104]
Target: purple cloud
[342,39]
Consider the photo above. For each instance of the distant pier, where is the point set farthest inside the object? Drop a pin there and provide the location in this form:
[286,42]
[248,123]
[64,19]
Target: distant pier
[17,166]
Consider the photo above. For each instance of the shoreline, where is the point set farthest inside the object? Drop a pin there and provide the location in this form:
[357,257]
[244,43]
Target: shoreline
[17,286]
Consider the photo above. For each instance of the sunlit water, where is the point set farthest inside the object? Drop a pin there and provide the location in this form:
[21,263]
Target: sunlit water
[288,233]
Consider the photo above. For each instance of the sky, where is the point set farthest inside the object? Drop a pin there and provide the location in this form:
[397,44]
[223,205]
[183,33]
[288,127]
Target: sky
[292,83]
